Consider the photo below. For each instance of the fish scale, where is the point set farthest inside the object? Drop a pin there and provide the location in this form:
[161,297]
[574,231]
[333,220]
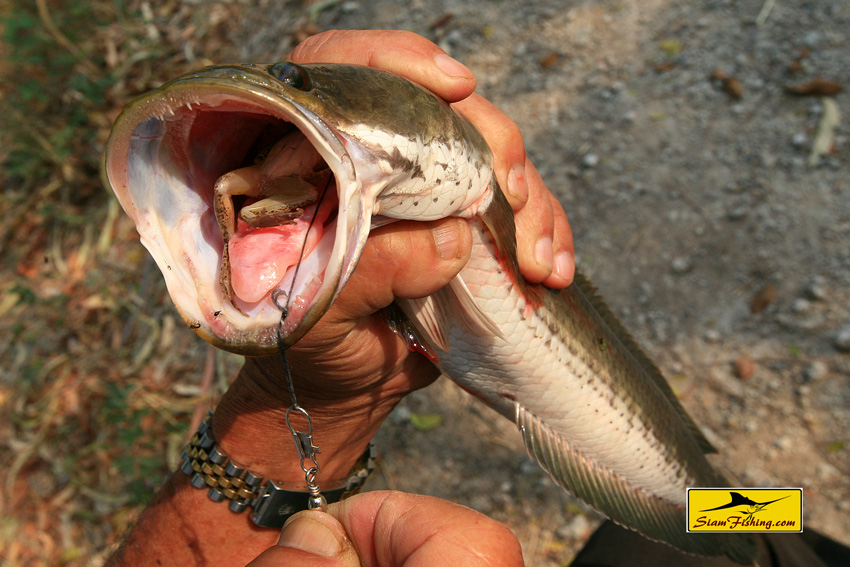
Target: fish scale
[531,367]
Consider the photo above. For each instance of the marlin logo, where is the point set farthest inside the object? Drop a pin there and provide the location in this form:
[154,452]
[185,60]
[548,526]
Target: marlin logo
[739,499]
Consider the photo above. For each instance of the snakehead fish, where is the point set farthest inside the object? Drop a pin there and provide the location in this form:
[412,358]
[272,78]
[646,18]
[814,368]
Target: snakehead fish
[229,170]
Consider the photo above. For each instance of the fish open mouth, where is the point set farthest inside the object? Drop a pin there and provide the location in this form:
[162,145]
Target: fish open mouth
[247,201]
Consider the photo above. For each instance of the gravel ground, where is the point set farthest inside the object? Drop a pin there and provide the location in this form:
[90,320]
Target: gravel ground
[695,210]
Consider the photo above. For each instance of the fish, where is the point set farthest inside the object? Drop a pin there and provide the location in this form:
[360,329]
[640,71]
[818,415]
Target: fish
[255,187]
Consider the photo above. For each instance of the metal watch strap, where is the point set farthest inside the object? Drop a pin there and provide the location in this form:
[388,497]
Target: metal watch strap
[209,468]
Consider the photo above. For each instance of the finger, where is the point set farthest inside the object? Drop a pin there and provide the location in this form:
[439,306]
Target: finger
[563,251]
[408,530]
[310,539]
[505,141]
[400,52]
[405,259]
[535,230]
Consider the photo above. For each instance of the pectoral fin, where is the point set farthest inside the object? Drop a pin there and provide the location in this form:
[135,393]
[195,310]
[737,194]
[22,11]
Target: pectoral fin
[432,316]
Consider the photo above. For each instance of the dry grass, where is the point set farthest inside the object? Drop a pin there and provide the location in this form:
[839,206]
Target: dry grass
[98,382]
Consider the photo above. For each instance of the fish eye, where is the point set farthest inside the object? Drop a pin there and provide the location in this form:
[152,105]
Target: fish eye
[291,74]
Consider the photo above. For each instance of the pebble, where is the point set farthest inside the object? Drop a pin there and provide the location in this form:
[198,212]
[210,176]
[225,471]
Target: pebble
[744,367]
[400,415]
[826,471]
[712,336]
[577,528]
[842,339]
[800,140]
[681,265]
[815,371]
[737,213]
[816,290]
[590,160]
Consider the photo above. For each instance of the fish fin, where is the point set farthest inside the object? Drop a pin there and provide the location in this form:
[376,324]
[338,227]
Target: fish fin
[431,313]
[618,499]
[380,220]
[589,290]
[426,316]
[401,324]
[474,319]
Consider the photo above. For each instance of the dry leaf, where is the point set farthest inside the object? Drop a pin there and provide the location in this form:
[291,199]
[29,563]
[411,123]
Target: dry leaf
[672,47]
[797,64]
[550,60]
[441,21]
[763,298]
[744,367]
[664,67]
[815,87]
[426,421]
[731,85]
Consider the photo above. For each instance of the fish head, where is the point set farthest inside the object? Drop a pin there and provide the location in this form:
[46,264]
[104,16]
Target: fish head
[193,162]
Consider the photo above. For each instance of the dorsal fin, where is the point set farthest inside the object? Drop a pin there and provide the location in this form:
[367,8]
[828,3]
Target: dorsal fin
[590,292]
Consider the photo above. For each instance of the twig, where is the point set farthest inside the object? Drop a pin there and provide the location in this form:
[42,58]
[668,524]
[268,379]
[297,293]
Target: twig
[765,12]
[62,39]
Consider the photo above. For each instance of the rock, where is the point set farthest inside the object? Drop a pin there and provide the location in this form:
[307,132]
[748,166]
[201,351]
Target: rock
[763,298]
[590,161]
[800,140]
[816,290]
[744,367]
[712,336]
[681,265]
[842,339]
[815,371]
[577,528]
[826,471]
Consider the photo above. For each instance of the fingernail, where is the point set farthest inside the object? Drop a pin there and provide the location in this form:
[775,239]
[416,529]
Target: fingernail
[310,535]
[543,252]
[446,239]
[564,266]
[451,67]
[517,186]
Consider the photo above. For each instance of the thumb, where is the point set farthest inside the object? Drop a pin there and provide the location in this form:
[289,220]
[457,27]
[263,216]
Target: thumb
[310,539]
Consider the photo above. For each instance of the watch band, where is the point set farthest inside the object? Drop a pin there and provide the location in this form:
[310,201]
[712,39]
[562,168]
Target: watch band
[210,468]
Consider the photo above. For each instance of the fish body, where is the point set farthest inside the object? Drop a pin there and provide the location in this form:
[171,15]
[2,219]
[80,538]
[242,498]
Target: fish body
[592,409]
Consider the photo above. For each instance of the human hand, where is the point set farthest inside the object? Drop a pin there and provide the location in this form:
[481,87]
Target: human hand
[351,365]
[393,529]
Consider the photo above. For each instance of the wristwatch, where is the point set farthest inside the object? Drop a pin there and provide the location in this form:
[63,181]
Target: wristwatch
[210,468]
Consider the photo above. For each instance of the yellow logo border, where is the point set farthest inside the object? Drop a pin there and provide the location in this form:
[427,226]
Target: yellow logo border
[744,491]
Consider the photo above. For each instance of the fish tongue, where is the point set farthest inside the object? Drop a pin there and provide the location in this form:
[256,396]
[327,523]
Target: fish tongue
[260,253]
[259,257]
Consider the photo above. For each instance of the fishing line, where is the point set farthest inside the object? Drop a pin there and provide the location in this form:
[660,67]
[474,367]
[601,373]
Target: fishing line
[307,450]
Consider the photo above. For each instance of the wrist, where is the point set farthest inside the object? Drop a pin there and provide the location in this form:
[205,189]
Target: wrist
[250,425]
